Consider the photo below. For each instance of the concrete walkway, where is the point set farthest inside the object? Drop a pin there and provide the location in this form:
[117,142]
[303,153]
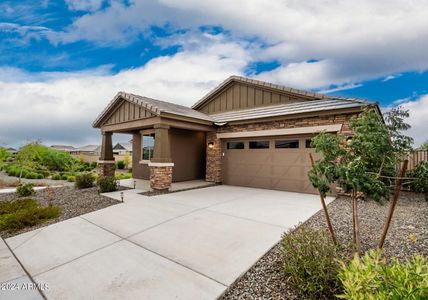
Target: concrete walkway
[185,245]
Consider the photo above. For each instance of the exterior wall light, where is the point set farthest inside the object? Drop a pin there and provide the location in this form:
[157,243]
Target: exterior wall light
[210,145]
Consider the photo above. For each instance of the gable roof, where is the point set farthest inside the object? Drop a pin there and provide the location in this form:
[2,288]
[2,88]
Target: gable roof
[156,107]
[288,109]
[261,84]
[123,146]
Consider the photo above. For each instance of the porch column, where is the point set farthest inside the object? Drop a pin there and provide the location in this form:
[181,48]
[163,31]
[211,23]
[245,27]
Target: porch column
[161,164]
[106,162]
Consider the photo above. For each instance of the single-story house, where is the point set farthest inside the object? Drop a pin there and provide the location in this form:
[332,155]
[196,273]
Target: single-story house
[87,149]
[65,148]
[244,132]
[123,148]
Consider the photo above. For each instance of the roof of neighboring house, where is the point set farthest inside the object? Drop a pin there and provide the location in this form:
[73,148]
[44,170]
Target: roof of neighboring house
[157,107]
[287,109]
[123,146]
[63,147]
[89,148]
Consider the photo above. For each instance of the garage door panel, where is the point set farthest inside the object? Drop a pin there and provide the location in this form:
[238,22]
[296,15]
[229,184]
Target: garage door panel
[280,169]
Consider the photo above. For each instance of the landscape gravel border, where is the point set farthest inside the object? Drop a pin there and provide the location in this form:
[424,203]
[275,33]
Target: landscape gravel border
[72,202]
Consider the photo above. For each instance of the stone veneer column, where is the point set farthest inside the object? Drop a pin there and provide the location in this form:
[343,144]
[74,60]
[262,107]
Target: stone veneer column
[213,167]
[160,176]
[106,164]
[161,164]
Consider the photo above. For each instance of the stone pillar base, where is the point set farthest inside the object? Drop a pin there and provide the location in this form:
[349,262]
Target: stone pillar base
[160,176]
[106,167]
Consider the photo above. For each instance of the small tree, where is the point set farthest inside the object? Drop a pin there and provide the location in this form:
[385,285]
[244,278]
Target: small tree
[357,165]
[29,156]
[127,160]
[4,155]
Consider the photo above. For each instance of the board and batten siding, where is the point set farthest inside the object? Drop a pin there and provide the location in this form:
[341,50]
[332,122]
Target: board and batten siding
[127,111]
[241,96]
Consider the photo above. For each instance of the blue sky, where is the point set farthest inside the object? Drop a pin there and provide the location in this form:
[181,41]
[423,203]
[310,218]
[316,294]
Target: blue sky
[62,61]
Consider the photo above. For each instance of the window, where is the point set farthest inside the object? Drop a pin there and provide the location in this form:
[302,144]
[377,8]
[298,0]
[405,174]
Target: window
[235,145]
[148,143]
[259,144]
[308,143]
[287,144]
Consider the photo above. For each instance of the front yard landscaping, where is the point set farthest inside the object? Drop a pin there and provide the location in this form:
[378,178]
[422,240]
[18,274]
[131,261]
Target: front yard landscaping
[49,206]
[408,235]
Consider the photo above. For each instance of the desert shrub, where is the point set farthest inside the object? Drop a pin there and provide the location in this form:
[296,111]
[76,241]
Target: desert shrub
[24,213]
[25,189]
[8,207]
[420,182]
[120,164]
[84,180]
[310,263]
[56,177]
[71,178]
[107,184]
[372,278]
[31,175]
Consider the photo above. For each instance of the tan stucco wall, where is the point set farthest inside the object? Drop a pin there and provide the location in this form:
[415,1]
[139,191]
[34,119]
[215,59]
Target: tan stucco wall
[188,154]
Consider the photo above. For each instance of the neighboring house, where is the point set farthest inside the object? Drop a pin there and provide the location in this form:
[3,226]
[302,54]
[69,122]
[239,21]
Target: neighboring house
[88,149]
[11,150]
[65,148]
[122,148]
[244,132]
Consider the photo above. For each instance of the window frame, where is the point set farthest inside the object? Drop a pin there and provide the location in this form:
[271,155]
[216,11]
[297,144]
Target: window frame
[259,141]
[237,142]
[291,140]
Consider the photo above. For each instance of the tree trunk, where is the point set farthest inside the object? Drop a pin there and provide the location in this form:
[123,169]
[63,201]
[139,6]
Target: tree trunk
[356,223]
[324,207]
[394,202]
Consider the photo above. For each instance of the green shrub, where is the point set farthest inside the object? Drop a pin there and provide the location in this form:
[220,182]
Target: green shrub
[64,177]
[372,278]
[25,189]
[93,164]
[8,207]
[120,164]
[310,263]
[31,175]
[24,213]
[56,177]
[40,176]
[85,180]
[420,183]
[71,178]
[120,176]
[107,184]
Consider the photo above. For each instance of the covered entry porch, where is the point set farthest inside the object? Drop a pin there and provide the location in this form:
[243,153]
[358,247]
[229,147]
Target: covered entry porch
[168,140]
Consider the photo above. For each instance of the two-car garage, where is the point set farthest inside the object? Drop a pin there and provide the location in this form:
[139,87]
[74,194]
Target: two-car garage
[279,163]
[271,159]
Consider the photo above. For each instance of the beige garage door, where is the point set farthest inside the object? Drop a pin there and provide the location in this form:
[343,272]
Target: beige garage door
[279,163]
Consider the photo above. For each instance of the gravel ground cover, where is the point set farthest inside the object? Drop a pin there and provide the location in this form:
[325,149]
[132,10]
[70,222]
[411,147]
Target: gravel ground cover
[265,280]
[71,201]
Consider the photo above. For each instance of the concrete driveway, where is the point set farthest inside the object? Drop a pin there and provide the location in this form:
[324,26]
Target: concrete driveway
[185,245]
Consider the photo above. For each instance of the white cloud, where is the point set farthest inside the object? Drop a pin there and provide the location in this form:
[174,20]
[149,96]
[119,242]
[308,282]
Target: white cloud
[84,5]
[60,107]
[418,110]
[353,41]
